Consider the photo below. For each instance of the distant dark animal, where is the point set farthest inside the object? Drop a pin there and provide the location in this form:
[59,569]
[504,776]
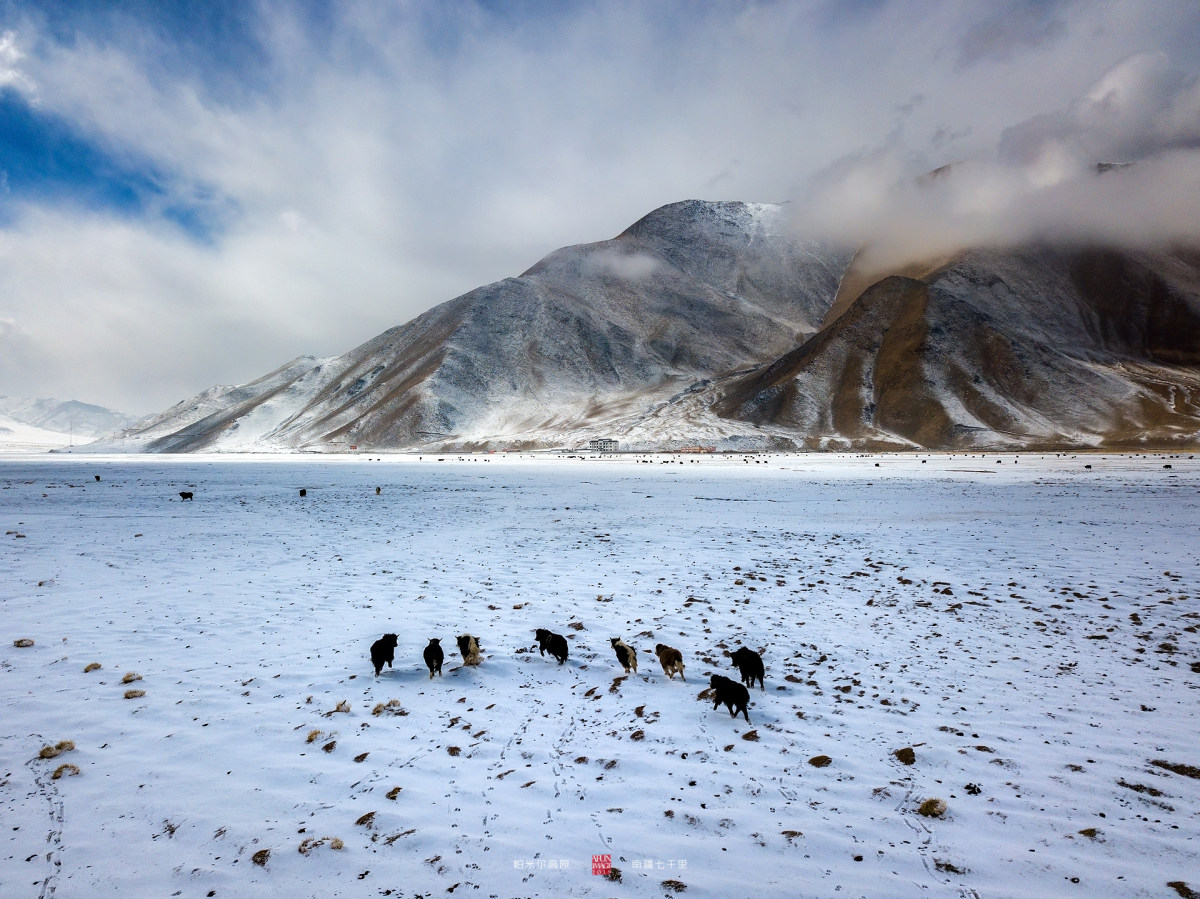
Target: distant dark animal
[383,650]
[750,664]
[184,494]
[735,696]
[671,660]
[377,491]
[468,647]
[555,644]
[98,476]
[434,657]
[626,654]
[303,492]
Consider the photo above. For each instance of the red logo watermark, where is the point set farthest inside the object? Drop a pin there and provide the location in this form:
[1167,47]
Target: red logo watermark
[602,864]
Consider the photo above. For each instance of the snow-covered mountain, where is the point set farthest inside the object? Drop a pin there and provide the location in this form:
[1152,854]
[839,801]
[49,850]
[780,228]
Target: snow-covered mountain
[36,424]
[590,340]
[709,324]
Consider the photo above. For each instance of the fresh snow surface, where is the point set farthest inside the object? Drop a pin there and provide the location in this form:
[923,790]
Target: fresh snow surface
[1025,624]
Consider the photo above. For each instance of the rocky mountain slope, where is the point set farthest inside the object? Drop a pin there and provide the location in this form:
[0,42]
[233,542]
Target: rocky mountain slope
[1037,347]
[589,337]
[709,324]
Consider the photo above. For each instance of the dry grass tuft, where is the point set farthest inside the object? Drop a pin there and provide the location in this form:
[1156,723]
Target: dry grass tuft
[394,792]
[638,735]
[49,752]
[343,707]
[260,858]
[614,874]
[1185,770]
[391,707]
[1183,889]
[92,666]
[130,677]
[23,643]
[367,820]
[330,746]
[314,735]
[454,750]
[932,808]
[906,755]
[751,736]
[134,694]
[65,770]
[674,886]
[820,761]
[309,844]
[361,757]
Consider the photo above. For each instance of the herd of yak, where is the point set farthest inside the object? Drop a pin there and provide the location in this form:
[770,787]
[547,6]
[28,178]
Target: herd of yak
[733,695]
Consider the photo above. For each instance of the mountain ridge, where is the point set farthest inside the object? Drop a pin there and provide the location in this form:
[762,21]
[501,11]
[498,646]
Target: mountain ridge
[709,323]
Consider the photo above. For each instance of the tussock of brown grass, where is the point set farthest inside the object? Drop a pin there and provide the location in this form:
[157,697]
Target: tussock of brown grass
[638,735]
[49,752]
[394,792]
[134,694]
[343,707]
[391,707]
[614,874]
[454,750]
[932,808]
[674,886]
[22,643]
[92,666]
[314,735]
[820,761]
[309,844]
[361,757]
[367,820]
[330,746]
[750,736]
[260,858]
[65,770]
[1185,770]
[130,677]
[905,755]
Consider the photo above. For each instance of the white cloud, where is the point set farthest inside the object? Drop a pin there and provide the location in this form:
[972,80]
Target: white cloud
[397,155]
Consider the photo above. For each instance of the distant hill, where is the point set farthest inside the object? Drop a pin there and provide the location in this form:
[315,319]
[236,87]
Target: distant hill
[44,423]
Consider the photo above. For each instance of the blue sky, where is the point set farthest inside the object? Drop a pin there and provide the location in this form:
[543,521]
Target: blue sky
[194,193]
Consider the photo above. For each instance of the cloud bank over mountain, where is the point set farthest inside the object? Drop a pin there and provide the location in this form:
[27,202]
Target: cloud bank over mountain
[190,199]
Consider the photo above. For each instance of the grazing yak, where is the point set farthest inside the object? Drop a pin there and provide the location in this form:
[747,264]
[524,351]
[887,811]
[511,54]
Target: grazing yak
[434,657]
[734,695]
[556,644]
[750,664]
[469,647]
[383,650]
[184,494]
[626,654]
[671,660]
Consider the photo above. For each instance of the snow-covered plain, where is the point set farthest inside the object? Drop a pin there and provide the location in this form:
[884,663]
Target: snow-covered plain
[1026,625]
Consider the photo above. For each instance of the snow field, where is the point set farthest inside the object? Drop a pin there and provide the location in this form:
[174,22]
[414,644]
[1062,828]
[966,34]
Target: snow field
[1036,694]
